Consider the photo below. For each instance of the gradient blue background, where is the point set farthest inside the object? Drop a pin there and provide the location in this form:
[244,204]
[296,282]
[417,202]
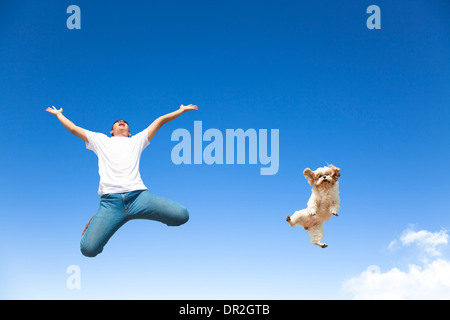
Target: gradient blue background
[373,102]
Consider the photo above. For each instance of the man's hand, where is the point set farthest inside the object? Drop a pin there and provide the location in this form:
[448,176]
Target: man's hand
[159,122]
[54,111]
[69,125]
[188,107]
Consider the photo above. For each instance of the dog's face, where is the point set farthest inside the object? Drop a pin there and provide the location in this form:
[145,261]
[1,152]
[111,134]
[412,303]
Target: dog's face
[324,177]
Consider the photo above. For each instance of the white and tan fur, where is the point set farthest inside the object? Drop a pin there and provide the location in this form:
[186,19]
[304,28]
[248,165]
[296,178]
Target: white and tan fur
[322,205]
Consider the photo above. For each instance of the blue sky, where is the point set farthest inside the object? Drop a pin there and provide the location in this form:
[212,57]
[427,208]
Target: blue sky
[373,102]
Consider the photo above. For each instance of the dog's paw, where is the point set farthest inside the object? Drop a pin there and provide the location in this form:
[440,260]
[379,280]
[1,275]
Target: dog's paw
[333,212]
[288,219]
[320,244]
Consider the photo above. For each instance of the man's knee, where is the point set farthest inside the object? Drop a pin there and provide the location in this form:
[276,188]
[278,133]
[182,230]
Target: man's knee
[182,217]
[89,250]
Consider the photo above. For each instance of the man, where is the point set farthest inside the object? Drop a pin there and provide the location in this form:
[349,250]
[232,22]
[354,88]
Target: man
[123,194]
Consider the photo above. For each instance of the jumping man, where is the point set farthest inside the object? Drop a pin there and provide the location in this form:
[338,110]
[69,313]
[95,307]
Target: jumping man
[123,195]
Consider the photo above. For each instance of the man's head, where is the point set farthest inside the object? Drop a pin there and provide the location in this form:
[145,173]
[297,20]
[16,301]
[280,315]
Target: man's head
[120,128]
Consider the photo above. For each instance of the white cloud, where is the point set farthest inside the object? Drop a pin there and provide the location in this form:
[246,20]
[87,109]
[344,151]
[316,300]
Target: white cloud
[423,239]
[429,281]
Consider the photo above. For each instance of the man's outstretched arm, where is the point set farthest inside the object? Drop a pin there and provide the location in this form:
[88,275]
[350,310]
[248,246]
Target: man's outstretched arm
[158,123]
[69,125]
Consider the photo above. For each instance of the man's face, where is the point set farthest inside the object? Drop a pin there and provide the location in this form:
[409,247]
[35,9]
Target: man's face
[120,128]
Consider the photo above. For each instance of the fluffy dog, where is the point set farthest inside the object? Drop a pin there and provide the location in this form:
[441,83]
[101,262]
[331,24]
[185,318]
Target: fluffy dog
[322,205]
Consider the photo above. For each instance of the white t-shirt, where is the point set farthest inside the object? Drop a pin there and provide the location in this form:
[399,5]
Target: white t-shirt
[118,161]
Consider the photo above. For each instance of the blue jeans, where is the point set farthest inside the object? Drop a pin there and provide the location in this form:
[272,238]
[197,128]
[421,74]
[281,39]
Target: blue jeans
[117,208]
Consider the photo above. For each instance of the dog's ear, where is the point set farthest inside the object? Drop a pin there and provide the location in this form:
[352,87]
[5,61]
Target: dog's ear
[309,174]
[336,173]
